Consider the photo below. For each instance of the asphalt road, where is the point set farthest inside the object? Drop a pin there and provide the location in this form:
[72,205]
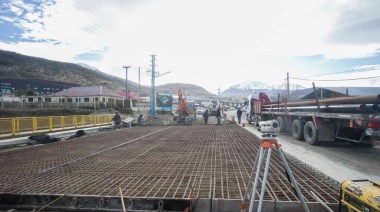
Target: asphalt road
[338,160]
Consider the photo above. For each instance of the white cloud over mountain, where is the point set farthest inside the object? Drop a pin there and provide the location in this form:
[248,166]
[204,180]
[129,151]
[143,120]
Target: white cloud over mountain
[212,43]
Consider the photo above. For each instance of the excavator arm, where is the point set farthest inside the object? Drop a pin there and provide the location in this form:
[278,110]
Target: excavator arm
[182,104]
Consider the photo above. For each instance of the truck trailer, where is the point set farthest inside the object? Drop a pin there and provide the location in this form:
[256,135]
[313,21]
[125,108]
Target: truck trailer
[352,119]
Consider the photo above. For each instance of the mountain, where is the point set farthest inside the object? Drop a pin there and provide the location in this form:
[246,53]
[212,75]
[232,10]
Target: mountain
[18,66]
[188,90]
[244,89]
[251,85]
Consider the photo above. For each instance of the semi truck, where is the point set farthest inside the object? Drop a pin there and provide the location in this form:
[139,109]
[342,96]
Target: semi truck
[352,119]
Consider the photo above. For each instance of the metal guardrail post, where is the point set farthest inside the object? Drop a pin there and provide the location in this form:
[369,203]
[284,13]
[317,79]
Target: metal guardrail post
[17,125]
[63,122]
[13,127]
[83,120]
[34,124]
[50,119]
[75,121]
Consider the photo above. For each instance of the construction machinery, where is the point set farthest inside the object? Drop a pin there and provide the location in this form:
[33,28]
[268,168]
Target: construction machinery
[261,97]
[360,195]
[352,119]
[182,109]
[213,107]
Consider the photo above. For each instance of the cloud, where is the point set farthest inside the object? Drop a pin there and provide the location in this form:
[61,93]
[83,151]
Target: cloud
[358,22]
[213,44]
[7,19]
[95,55]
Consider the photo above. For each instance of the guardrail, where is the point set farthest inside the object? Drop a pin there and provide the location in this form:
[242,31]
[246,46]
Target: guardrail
[21,126]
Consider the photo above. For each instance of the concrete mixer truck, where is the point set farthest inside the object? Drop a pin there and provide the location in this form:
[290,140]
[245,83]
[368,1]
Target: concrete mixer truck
[213,107]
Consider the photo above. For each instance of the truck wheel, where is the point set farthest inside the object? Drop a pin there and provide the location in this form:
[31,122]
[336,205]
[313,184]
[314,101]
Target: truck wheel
[297,129]
[281,122]
[248,119]
[310,133]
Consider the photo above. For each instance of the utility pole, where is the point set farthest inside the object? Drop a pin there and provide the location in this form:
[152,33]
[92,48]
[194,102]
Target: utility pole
[152,96]
[154,75]
[287,82]
[138,100]
[126,83]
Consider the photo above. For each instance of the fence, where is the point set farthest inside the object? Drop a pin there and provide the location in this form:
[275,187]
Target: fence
[13,127]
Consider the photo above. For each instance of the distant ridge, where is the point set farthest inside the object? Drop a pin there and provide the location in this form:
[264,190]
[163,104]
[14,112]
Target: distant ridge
[17,66]
[246,88]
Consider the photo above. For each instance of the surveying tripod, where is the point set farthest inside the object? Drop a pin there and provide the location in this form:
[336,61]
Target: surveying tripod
[267,143]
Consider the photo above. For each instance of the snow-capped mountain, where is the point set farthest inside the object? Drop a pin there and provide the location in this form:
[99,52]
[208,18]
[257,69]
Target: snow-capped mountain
[249,85]
[244,89]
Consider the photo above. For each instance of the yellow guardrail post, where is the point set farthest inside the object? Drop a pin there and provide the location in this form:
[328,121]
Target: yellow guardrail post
[75,122]
[17,125]
[50,123]
[83,120]
[13,129]
[63,122]
[34,124]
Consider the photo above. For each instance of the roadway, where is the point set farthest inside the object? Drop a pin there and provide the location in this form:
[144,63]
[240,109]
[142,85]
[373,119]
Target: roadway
[338,160]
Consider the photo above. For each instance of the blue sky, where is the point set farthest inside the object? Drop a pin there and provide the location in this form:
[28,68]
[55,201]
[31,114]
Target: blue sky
[213,44]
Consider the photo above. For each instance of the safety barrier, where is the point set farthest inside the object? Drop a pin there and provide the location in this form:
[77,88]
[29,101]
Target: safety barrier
[13,127]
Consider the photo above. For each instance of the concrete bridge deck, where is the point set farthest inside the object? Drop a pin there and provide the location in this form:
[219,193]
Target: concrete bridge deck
[157,168]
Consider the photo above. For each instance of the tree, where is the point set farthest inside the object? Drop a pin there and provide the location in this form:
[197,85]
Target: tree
[19,92]
[30,93]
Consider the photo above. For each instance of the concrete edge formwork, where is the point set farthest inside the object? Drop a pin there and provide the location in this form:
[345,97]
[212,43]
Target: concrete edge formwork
[27,202]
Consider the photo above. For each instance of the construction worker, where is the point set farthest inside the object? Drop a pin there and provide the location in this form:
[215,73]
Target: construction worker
[218,116]
[117,119]
[239,112]
[205,116]
[139,120]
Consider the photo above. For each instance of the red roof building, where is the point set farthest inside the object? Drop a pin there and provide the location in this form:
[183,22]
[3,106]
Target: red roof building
[131,95]
[88,95]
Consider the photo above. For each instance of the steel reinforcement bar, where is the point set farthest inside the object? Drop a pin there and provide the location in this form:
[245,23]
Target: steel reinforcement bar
[179,162]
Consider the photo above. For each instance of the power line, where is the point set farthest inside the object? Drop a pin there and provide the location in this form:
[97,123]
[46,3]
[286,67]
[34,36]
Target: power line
[341,72]
[337,80]
[92,20]
[88,30]
[98,17]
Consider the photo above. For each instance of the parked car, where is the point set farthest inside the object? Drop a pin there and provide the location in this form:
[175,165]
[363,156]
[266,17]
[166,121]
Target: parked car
[200,110]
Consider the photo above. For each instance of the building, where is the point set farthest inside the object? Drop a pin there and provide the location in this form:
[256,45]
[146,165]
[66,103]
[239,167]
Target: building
[40,87]
[90,96]
[132,96]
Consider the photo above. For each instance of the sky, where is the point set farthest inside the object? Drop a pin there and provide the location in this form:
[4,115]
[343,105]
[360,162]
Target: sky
[211,43]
